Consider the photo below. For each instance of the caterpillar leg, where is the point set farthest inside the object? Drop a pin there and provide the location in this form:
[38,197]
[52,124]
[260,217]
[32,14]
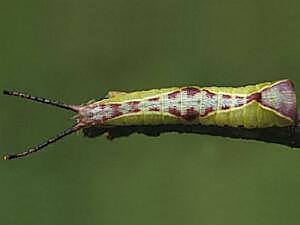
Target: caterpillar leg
[112,94]
[292,134]
[116,132]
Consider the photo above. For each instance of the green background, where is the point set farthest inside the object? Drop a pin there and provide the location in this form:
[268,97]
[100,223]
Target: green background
[78,50]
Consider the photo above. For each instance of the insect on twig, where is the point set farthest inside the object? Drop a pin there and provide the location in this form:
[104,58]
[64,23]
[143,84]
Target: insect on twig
[265,105]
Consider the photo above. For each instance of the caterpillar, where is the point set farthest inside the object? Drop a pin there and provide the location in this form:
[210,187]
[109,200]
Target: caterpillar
[254,106]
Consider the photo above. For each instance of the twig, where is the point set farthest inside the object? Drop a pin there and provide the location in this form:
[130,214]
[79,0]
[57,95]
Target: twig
[289,136]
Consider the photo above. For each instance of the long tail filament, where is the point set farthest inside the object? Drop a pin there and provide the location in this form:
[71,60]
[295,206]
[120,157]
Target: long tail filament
[61,135]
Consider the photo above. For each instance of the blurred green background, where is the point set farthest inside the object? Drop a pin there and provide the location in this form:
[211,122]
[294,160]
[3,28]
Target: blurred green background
[78,50]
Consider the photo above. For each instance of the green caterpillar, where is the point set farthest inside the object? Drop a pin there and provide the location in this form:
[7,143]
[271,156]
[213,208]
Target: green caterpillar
[255,106]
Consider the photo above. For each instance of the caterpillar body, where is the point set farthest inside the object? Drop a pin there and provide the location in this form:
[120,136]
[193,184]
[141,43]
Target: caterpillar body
[254,106]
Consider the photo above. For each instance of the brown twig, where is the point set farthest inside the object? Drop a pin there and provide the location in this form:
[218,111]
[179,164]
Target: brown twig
[289,136]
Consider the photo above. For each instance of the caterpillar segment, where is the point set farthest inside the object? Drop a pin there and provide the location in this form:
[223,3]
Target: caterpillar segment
[255,106]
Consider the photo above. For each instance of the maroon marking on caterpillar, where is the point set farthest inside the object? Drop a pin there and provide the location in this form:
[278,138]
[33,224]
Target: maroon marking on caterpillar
[153,99]
[133,106]
[209,94]
[115,114]
[254,97]
[116,111]
[226,96]
[191,114]
[224,107]
[174,111]
[115,106]
[173,95]
[241,103]
[154,109]
[191,91]
[208,110]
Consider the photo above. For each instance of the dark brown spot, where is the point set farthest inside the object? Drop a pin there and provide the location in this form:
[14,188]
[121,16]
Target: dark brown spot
[191,114]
